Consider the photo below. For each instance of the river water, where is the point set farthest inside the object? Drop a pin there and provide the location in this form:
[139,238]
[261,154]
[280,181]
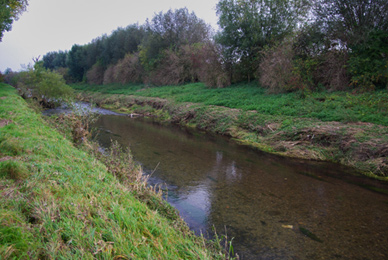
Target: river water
[272,207]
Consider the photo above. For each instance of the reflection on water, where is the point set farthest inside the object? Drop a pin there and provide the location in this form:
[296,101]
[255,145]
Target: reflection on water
[275,208]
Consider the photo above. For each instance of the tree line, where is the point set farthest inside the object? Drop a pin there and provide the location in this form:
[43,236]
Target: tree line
[285,45]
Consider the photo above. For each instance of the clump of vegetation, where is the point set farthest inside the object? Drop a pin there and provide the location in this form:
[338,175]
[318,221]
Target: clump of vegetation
[47,87]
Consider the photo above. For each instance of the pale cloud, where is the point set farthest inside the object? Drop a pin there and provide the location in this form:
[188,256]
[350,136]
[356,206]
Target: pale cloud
[52,25]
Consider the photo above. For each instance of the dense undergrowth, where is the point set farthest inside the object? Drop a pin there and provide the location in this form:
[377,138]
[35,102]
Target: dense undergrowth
[342,106]
[350,129]
[60,202]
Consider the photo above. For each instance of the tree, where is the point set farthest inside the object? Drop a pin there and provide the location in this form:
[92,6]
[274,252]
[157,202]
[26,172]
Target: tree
[361,28]
[351,21]
[55,60]
[10,11]
[249,25]
[76,62]
[171,30]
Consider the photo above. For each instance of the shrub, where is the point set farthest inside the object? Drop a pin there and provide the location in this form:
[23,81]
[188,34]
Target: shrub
[211,70]
[96,74]
[129,70]
[170,70]
[109,75]
[52,87]
[44,85]
[277,71]
[332,70]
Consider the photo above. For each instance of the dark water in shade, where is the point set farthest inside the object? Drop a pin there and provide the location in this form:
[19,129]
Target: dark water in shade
[273,207]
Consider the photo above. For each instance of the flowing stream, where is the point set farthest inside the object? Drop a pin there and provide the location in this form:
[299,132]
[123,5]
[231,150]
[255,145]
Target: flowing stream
[272,207]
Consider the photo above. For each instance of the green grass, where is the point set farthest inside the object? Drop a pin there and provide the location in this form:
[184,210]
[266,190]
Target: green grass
[58,202]
[335,106]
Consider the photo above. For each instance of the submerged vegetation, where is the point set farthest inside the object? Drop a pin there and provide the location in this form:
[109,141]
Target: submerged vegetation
[58,201]
[340,127]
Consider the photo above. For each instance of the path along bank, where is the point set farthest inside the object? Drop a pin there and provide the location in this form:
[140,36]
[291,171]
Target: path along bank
[57,201]
[361,145]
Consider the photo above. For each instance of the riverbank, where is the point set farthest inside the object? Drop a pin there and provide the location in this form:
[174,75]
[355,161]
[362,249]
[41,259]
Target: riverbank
[58,201]
[350,129]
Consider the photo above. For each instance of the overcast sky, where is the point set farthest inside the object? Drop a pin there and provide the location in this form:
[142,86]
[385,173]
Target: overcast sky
[52,25]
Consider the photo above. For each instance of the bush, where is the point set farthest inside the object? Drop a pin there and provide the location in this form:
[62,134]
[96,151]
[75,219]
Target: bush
[52,87]
[277,71]
[128,70]
[211,70]
[170,69]
[42,84]
[332,70]
[96,74]
[109,75]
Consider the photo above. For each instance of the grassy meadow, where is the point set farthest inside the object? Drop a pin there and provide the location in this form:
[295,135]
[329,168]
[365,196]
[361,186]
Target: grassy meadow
[341,106]
[60,202]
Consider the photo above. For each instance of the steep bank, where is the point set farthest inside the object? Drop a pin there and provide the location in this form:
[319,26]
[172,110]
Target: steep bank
[361,145]
[59,202]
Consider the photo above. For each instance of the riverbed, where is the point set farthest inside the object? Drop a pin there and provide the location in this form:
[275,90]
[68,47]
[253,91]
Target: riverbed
[272,207]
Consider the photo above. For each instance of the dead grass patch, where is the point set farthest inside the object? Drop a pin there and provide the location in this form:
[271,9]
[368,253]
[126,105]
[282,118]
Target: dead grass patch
[6,158]
[4,122]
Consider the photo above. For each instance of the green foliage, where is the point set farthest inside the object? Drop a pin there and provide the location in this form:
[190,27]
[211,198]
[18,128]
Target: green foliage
[351,21]
[248,26]
[169,32]
[10,11]
[287,45]
[55,60]
[76,62]
[368,62]
[52,86]
[44,85]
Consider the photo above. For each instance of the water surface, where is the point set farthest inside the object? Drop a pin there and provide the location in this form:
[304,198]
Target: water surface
[273,207]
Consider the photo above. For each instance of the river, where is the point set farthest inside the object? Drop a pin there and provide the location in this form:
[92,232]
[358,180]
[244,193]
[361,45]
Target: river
[272,207]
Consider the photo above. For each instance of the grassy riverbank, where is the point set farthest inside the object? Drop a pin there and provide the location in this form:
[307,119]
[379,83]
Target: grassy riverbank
[59,202]
[351,129]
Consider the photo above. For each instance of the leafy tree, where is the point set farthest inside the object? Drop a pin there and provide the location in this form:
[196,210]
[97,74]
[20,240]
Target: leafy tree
[351,21]
[171,30]
[10,10]
[76,62]
[249,25]
[368,63]
[55,60]
[360,27]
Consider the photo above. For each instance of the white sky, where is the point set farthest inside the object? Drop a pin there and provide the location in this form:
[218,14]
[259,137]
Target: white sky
[52,25]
